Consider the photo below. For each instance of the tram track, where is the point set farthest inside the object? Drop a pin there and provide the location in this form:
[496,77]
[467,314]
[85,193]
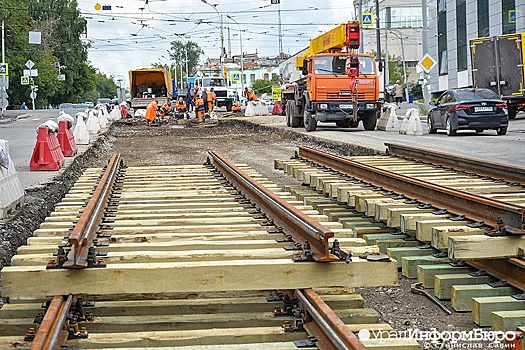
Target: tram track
[100,210]
[397,195]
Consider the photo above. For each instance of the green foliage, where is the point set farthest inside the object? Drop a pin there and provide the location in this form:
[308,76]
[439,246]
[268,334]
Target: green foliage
[182,52]
[262,86]
[415,90]
[395,70]
[61,26]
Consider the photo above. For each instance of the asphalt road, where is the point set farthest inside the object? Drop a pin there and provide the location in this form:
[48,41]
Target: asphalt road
[19,128]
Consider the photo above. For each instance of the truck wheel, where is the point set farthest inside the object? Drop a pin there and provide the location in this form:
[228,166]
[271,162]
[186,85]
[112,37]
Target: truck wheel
[343,123]
[310,124]
[512,112]
[295,122]
[288,113]
[370,121]
[229,105]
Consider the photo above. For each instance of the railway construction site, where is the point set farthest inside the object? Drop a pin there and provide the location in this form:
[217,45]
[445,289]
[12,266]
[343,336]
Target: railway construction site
[236,236]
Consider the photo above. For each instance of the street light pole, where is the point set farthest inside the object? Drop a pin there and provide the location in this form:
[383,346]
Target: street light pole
[214,6]
[400,37]
[242,53]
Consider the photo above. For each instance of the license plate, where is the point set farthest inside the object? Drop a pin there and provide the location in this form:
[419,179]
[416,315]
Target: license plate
[482,109]
[345,106]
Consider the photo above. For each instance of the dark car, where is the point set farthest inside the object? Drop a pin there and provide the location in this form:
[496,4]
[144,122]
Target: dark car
[468,109]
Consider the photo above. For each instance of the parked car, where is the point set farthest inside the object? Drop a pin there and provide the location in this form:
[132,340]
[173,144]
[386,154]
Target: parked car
[468,109]
[81,106]
[106,101]
[66,106]
[90,104]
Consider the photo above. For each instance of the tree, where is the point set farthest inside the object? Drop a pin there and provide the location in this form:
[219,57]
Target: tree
[182,52]
[262,86]
[395,70]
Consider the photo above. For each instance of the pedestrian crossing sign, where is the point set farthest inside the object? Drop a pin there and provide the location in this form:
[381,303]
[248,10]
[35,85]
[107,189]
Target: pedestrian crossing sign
[4,69]
[367,19]
[24,80]
[236,77]
[512,16]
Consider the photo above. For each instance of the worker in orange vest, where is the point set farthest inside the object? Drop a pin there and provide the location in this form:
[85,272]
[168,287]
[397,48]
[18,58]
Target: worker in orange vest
[236,106]
[164,110]
[211,99]
[252,96]
[199,107]
[180,109]
[151,111]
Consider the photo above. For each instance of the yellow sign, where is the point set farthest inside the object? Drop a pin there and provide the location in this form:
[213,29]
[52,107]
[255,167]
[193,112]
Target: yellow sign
[427,63]
[4,69]
[276,92]
[98,6]
[235,77]
[24,80]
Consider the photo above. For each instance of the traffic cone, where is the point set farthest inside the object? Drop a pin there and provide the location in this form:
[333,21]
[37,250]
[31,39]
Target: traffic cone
[66,139]
[46,154]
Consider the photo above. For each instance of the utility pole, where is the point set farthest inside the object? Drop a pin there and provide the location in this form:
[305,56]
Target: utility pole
[280,33]
[424,40]
[222,35]
[378,33]
[3,79]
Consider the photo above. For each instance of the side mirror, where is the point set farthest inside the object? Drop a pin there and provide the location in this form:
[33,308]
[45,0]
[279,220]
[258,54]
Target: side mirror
[432,103]
[381,65]
[305,71]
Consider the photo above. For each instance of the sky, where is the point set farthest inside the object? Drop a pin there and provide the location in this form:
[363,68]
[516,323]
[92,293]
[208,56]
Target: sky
[137,33]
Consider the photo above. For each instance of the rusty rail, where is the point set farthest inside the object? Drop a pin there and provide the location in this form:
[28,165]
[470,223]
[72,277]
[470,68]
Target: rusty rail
[511,270]
[328,329]
[473,206]
[85,230]
[52,333]
[480,167]
[295,222]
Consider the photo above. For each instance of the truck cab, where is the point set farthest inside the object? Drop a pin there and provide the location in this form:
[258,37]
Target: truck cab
[219,87]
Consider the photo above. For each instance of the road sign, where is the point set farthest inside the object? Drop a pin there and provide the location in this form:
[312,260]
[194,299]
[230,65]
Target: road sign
[512,16]
[30,64]
[4,69]
[236,77]
[61,77]
[276,93]
[31,72]
[32,95]
[4,82]
[24,80]
[427,63]
[367,19]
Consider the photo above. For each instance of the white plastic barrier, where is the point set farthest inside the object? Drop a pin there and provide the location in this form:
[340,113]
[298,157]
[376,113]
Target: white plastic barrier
[254,108]
[103,119]
[11,191]
[64,116]
[92,124]
[81,133]
[389,120]
[411,124]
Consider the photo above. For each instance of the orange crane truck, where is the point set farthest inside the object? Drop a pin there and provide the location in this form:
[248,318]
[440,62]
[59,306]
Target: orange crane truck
[333,85]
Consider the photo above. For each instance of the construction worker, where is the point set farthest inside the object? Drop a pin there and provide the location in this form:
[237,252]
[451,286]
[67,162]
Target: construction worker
[236,106]
[200,108]
[252,96]
[164,110]
[151,111]
[180,109]
[211,99]
[204,95]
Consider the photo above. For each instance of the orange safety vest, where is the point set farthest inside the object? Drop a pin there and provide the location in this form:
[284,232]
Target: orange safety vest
[252,96]
[236,107]
[151,111]
[180,106]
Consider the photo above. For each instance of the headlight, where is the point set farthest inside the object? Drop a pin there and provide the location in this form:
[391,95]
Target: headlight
[370,106]
[323,106]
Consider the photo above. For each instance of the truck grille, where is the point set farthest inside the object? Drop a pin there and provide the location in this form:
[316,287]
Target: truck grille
[221,93]
[345,95]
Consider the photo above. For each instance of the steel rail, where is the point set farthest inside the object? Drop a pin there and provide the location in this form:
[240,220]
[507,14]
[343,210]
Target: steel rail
[511,270]
[477,166]
[329,330]
[459,202]
[85,230]
[51,333]
[295,222]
